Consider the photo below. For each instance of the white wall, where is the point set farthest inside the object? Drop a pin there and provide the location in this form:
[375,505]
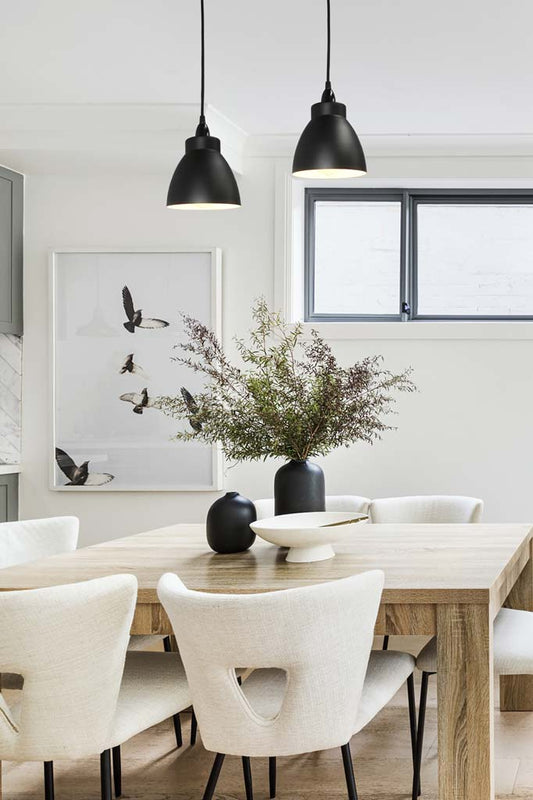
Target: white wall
[468,430]
[118,211]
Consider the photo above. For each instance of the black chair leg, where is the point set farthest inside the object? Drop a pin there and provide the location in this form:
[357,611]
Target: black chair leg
[117,771]
[412,714]
[213,777]
[247,771]
[420,734]
[49,780]
[385,643]
[176,718]
[272,776]
[348,771]
[177,729]
[194,728]
[105,775]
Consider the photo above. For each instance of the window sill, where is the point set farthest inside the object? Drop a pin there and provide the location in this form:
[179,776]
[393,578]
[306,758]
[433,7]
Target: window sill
[458,329]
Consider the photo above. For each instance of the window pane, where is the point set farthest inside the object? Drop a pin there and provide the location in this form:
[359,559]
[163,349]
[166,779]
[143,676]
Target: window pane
[475,259]
[357,257]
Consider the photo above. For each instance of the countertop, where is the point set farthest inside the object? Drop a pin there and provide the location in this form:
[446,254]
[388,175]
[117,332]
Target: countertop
[9,469]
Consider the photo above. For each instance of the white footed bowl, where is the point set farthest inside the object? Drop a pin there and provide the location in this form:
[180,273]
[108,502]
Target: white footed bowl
[303,534]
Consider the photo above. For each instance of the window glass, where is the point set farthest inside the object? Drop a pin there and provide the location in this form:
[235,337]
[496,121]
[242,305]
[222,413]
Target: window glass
[357,257]
[475,259]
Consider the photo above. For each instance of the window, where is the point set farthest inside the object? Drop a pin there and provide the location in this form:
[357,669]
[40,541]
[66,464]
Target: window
[374,254]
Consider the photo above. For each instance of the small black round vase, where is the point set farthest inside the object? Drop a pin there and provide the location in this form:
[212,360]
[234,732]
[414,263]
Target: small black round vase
[299,486]
[228,524]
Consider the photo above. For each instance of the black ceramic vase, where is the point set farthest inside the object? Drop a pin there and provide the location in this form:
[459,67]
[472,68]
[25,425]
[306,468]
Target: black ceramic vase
[228,524]
[299,486]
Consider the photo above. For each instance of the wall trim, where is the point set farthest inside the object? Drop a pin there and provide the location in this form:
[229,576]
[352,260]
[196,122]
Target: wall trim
[420,145]
[43,138]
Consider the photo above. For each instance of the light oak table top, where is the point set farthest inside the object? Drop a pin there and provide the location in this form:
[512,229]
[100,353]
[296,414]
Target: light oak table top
[422,563]
[449,580]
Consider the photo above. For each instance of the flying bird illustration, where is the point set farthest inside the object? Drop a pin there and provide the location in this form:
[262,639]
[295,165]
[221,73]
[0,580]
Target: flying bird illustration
[192,407]
[135,316]
[140,401]
[80,476]
[130,366]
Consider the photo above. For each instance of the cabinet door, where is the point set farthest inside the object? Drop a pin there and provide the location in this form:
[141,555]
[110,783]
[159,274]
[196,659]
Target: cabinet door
[9,498]
[11,228]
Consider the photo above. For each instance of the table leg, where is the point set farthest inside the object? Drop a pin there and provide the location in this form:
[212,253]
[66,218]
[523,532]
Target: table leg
[465,702]
[516,691]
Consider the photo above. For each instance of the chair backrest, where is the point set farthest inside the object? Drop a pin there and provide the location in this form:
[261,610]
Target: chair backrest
[32,539]
[427,508]
[334,502]
[69,643]
[320,636]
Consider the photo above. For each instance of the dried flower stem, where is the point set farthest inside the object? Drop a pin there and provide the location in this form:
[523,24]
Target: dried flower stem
[291,399]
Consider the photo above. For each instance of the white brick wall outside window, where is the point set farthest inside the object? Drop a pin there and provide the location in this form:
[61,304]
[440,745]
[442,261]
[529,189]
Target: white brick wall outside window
[474,256]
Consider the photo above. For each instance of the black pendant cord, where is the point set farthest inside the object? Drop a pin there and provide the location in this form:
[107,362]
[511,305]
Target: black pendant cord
[328,56]
[203,179]
[328,95]
[202,129]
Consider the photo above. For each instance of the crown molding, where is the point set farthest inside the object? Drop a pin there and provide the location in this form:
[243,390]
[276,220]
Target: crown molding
[149,138]
[518,145]
[146,137]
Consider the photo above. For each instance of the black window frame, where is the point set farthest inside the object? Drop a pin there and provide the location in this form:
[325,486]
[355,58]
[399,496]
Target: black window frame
[410,200]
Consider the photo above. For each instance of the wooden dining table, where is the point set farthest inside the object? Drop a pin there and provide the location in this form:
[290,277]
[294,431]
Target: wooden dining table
[448,580]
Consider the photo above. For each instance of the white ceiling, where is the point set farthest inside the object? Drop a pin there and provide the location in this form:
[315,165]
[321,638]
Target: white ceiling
[402,66]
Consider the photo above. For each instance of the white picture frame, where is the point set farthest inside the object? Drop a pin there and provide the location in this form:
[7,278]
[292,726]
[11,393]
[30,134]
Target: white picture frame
[89,347]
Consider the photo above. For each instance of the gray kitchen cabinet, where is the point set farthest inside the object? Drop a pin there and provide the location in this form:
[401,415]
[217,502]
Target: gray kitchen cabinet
[11,230]
[9,497]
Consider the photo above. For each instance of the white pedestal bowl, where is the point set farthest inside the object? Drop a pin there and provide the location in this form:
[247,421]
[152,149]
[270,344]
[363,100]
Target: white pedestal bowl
[305,534]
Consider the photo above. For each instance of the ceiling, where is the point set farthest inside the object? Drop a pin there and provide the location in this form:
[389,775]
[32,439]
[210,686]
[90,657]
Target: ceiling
[402,66]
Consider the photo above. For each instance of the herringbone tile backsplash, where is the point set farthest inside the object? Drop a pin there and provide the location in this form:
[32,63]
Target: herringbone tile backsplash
[10,397]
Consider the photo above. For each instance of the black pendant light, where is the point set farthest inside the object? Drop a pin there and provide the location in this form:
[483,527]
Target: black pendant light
[328,147]
[203,180]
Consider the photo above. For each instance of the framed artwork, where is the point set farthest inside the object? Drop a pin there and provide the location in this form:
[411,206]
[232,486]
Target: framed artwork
[116,317]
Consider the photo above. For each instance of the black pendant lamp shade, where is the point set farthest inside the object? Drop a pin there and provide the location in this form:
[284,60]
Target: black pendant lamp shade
[203,180]
[328,147]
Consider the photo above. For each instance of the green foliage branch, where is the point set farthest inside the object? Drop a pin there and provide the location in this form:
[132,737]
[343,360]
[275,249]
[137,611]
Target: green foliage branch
[290,398]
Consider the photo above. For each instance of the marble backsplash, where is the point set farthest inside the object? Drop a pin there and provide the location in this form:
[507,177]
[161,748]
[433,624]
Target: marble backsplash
[10,398]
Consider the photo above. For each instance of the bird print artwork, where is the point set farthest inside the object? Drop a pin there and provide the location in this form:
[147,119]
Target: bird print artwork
[118,316]
[80,476]
[140,401]
[192,407]
[135,316]
[131,367]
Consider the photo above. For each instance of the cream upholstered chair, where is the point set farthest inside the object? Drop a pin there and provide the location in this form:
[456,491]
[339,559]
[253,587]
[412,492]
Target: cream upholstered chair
[313,686]
[336,502]
[30,540]
[420,509]
[33,539]
[140,643]
[82,694]
[512,652]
